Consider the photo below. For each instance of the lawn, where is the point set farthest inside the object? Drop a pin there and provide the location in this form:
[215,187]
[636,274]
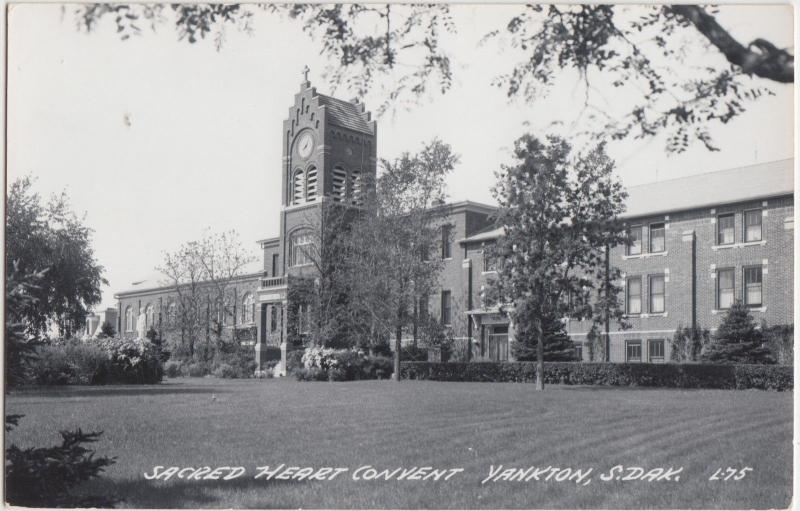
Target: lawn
[252,423]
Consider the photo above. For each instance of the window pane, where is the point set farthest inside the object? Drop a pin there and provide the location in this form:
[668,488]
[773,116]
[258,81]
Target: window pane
[446,249]
[752,282]
[635,241]
[657,238]
[752,222]
[634,296]
[657,293]
[725,229]
[656,350]
[633,351]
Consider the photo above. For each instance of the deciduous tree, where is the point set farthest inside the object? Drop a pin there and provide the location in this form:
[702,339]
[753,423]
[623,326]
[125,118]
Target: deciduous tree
[558,211]
[50,237]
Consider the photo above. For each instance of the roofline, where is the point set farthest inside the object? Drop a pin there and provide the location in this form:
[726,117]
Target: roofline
[727,169]
[160,289]
[466,205]
[274,239]
[704,205]
[625,216]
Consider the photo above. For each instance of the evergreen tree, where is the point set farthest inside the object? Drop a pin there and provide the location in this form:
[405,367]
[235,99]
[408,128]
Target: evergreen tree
[558,347]
[738,340]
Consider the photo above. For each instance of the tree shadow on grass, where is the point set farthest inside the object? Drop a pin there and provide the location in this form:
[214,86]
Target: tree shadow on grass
[179,493]
[115,390]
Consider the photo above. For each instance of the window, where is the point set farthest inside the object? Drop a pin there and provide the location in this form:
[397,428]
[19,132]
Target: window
[579,352]
[128,319]
[725,288]
[447,250]
[489,260]
[657,240]
[273,318]
[423,306]
[274,265]
[303,318]
[300,248]
[446,319]
[149,316]
[752,286]
[338,183]
[752,225]
[248,308]
[634,246]
[311,184]
[655,350]
[656,293]
[725,229]
[297,187]
[633,351]
[634,294]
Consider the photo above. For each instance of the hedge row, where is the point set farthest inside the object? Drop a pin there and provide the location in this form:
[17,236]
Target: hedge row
[766,377]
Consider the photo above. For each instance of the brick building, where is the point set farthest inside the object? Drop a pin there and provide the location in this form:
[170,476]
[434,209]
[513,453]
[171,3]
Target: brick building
[701,242]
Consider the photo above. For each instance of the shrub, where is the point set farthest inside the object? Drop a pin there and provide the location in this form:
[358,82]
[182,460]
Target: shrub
[131,361]
[172,369]
[413,353]
[44,476]
[377,368]
[69,363]
[780,341]
[226,371]
[294,359]
[310,374]
[241,363]
[688,343]
[742,376]
[196,369]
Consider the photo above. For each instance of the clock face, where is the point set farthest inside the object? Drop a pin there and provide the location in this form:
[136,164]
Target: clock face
[305,145]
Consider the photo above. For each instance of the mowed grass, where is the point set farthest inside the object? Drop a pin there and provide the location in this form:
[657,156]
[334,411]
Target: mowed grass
[250,423]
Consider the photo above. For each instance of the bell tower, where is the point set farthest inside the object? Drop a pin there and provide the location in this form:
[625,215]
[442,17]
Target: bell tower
[328,150]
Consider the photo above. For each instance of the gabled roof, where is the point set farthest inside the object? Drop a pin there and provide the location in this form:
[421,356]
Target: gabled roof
[710,189]
[346,114]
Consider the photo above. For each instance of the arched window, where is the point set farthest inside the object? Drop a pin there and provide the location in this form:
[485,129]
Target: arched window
[298,186]
[248,308]
[311,184]
[355,188]
[129,319]
[339,183]
[149,316]
[301,246]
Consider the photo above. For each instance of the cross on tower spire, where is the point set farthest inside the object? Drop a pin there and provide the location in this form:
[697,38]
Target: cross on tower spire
[306,70]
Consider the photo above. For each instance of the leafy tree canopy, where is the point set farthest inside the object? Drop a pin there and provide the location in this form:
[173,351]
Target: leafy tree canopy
[49,237]
[559,212]
[648,53]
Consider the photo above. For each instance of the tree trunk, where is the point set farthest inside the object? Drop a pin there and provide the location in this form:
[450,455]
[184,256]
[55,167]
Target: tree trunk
[397,337]
[539,356]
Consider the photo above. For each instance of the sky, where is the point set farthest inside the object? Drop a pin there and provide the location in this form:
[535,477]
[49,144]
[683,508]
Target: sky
[155,140]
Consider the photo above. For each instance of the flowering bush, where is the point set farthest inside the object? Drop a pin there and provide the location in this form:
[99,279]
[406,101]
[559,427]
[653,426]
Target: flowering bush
[341,365]
[131,361]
